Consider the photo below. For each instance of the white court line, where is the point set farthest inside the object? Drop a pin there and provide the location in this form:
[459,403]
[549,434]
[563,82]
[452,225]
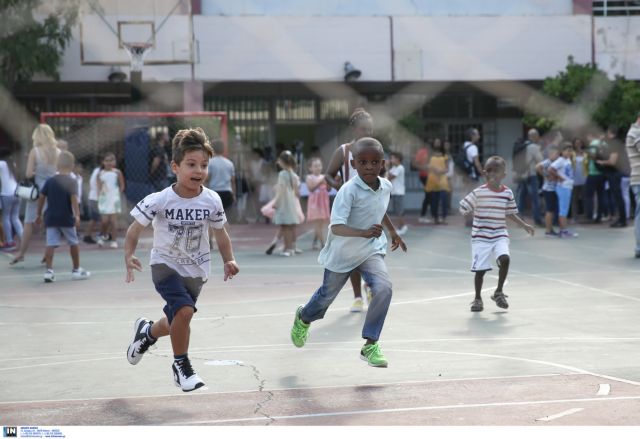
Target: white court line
[231,392]
[578,285]
[415,409]
[267,347]
[559,415]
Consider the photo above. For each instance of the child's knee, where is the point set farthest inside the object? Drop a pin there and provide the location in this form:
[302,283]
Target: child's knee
[503,260]
[382,288]
[186,312]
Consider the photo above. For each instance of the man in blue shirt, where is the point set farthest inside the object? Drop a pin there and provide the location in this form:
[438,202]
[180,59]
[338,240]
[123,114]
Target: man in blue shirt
[356,242]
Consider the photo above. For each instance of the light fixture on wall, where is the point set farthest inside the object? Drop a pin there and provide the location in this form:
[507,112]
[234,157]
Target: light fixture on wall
[117,75]
[350,72]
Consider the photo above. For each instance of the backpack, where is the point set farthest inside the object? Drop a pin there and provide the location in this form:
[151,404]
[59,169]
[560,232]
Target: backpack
[460,160]
[519,156]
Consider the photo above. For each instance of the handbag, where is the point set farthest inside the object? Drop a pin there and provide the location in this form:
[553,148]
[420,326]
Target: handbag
[27,190]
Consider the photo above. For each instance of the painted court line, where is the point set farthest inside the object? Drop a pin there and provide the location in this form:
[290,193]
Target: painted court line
[559,415]
[284,389]
[415,409]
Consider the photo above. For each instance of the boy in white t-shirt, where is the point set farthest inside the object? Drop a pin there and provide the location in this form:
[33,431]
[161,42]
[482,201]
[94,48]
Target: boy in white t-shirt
[396,203]
[182,216]
[562,171]
[490,205]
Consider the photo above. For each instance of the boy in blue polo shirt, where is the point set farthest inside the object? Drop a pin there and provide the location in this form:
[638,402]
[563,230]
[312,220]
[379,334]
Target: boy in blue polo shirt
[356,242]
[62,216]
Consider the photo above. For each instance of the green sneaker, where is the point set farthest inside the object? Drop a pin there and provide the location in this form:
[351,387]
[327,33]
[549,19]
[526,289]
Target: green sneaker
[300,330]
[372,355]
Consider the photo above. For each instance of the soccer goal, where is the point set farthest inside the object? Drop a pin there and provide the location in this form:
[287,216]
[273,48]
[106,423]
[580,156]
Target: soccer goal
[131,136]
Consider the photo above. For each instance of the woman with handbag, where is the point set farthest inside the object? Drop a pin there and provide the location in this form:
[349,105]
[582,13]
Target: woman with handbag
[41,165]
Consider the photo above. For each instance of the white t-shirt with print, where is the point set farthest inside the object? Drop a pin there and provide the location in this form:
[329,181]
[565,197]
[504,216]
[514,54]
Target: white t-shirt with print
[398,180]
[564,168]
[181,229]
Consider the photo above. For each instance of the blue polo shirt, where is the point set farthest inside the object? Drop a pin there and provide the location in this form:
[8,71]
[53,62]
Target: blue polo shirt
[356,205]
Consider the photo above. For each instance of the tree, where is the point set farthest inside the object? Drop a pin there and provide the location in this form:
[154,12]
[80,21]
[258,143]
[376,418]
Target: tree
[30,46]
[586,96]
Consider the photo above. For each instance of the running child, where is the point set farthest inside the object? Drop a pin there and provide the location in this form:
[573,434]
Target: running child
[110,186]
[318,211]
[490,205]
[356,242]
[182,217]
[62,216]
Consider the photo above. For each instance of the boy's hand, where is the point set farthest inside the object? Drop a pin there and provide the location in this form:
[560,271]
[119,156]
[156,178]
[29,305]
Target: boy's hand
[38,220]
[230,269]
[77,218]
[530,230]
[132,263]
[396,241]
[464,211]
[373,232]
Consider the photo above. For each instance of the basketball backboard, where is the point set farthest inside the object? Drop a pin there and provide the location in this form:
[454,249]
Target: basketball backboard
[107,26]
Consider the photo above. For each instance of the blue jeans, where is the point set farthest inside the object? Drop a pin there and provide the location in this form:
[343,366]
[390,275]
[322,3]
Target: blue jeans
[529,186]
[374,273]
[635,188]
[10,217]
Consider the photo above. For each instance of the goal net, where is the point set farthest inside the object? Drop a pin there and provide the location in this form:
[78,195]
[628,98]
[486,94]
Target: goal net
[134,138]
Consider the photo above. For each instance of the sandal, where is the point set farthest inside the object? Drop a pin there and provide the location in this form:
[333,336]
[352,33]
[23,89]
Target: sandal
[501,299]
[477,305]
[270,249]
[17,260]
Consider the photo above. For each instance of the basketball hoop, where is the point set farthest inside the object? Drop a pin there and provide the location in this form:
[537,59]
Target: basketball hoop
[137,52]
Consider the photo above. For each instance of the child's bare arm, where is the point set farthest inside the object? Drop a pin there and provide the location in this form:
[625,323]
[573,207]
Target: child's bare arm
[225,248]
[519,221]
[130,244]
[121,180]
[396,240]
[76,209]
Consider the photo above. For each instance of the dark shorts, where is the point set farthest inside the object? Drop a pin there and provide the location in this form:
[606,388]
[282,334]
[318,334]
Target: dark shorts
[176,290]
[94,213]
[550,201]
[227,199]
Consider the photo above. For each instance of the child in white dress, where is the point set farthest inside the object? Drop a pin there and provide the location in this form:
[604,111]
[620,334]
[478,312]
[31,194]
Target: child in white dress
[110,186]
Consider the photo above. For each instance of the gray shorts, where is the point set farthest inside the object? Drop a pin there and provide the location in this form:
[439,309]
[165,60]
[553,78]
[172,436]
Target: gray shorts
[396,205]
[54,234]
[31,211]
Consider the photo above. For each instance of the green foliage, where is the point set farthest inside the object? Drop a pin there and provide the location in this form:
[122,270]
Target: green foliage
[32,45]
[589,97]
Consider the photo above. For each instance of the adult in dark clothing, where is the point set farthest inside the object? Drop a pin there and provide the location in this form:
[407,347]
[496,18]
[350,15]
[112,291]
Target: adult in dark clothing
[159,162]
[614,168]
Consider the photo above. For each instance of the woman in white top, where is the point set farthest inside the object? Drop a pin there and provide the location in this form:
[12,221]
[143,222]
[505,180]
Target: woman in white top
[41,165]
[10,203]
[361,124]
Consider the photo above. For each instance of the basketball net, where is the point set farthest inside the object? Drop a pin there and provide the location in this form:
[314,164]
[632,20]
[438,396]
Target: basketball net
[137,52]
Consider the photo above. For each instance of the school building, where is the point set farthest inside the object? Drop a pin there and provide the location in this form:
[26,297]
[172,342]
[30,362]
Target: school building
[291,72]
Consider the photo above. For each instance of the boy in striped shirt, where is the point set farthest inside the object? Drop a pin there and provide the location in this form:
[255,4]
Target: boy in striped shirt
[490,205]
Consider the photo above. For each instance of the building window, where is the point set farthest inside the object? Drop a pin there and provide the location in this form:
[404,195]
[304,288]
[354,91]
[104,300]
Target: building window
[295,110]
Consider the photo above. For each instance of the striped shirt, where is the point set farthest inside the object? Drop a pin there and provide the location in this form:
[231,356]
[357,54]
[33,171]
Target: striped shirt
[633,151]
[490,209]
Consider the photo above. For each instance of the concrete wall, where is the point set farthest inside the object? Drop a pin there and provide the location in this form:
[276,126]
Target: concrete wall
[617,44]
[361,8]
[259,48]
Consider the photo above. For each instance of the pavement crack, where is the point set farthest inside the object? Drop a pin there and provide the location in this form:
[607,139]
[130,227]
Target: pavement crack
[259,410]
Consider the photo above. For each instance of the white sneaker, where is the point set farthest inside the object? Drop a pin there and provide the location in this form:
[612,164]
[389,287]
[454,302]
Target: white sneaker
[113,244]
[424,220]
[185,377]
[100,242]
[140,343]
[49,276]
[80,274]
[357,305]
[403,230]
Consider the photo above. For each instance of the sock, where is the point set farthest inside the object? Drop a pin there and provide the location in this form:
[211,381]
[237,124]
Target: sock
[178,358]
[151,338]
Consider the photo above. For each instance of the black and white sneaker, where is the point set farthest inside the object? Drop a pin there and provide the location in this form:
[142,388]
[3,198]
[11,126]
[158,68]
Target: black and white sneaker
[140,342]
[185,377]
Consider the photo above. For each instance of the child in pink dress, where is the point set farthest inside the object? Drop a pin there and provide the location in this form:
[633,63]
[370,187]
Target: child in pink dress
[318,212]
